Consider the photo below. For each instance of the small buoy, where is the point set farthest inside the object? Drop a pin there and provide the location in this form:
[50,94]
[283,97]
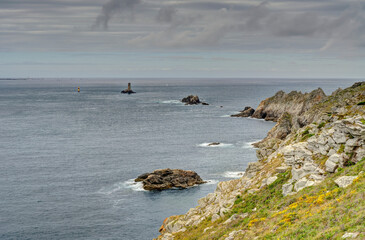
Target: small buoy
[78,89]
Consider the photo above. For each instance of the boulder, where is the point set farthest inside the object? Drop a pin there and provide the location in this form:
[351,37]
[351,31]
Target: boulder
[332,162]
[350,235]
[169,178]
[247,112]
[345,181]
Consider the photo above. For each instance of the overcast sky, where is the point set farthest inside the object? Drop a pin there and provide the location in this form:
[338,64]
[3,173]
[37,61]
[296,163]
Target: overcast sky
[182,38]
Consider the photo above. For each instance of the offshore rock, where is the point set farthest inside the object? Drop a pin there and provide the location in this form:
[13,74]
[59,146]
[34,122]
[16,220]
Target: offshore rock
[214,144]
[193,100]
[162,179]
[247,112]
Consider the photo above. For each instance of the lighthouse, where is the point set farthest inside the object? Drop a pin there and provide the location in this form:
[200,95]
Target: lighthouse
[128,90]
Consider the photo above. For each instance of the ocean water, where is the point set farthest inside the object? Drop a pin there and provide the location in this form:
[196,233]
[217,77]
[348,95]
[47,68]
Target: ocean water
[68,159]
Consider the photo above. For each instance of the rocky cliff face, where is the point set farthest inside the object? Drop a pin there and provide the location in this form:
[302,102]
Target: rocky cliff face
[295,103]
[298,178]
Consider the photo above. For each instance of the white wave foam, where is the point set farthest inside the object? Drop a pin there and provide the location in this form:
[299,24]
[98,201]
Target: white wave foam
[229,174]
[229,115]
[212,182]
[135,186]
[249,144]
[221,145]
[259,119]
[172,101]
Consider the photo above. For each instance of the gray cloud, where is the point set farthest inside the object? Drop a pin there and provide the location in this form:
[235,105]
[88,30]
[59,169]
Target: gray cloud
[248,25]
[111,8]
[166,14]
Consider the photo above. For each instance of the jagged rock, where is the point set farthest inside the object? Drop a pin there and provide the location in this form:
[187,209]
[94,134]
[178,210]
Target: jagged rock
[247,112]
[287,188]
[167,178]
[193,100]
[294,103]
[252,169]
[303,183]
[351,235]
[333,162]
[345,181]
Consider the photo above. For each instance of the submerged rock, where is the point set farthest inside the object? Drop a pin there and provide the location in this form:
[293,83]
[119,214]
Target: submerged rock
[162,179]
[193,100]
[214,144]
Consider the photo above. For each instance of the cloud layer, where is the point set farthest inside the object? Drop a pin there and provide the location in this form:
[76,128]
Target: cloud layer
[246,25]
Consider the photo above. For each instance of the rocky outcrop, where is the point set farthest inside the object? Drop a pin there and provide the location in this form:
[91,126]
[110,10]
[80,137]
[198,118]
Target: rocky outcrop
[247,112]
[294,103]
[169,178]
[193,100]
[332,136]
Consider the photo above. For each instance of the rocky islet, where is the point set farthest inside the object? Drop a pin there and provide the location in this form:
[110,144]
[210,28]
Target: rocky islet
[163,179]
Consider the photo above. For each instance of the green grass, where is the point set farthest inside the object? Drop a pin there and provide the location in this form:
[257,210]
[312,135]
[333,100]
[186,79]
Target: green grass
[341,149]
[321,125]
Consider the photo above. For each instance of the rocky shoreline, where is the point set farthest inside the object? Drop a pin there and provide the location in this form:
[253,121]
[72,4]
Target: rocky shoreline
[316,137]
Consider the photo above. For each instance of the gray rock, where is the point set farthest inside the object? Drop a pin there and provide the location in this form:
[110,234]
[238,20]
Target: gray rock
[331,152]
[302,183]
[282,169]
[271,180]
[297,173]
[215,217]
[332,162]
[345,181]
[339,137]
[351,235]
[287,188]
[252,169]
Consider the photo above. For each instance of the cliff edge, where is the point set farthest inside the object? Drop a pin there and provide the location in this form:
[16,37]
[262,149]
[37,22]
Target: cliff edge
[308,184]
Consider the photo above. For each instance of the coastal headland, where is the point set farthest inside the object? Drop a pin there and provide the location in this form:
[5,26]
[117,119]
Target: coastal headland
[308,182]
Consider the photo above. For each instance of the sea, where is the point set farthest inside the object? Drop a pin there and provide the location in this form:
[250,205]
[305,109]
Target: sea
[68,160]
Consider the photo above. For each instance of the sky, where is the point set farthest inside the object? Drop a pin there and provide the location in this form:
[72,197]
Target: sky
[182,38]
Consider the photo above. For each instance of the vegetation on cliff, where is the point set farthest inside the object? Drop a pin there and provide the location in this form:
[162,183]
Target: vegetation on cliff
[309,182]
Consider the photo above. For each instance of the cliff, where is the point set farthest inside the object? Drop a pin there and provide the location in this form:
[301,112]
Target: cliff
[308,184]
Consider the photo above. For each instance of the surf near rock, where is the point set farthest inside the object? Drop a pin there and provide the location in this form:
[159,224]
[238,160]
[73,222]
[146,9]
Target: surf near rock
[163,179]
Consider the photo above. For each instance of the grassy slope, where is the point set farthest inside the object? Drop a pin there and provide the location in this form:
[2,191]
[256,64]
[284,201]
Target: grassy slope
[324,211]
